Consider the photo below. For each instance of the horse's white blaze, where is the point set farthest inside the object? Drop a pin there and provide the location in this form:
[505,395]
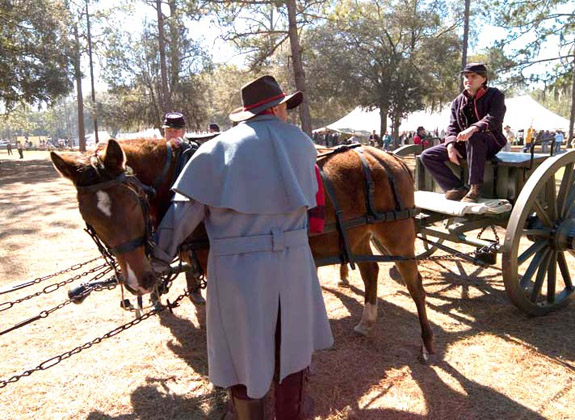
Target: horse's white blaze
[104,203]
[131,278]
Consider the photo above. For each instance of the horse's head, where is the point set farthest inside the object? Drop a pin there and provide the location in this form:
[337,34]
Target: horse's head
[114,205]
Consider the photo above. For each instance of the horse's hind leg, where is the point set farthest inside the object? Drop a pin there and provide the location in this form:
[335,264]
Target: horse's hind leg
[369,272]
[399,239]
[343,276]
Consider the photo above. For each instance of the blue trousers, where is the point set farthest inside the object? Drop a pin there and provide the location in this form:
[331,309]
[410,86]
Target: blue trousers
[479,148]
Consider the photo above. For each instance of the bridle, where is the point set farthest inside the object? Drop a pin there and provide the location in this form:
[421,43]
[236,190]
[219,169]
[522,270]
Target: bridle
[143,194]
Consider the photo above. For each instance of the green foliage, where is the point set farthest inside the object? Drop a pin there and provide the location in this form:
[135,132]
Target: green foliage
[34,52]
[384,54]
[532,27]
[132,71]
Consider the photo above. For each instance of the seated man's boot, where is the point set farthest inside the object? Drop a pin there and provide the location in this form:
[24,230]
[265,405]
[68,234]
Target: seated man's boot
[291,402]
[456,194]
[473,195]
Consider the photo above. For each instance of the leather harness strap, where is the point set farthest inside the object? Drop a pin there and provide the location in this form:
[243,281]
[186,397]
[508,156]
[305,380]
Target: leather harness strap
[392,181]
[372,215]
[344,242]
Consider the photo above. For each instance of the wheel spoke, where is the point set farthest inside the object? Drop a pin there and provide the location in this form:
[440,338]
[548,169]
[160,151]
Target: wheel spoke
[540,277]
[535,247]
[565,189]
[533,265]
[552,277]
[542,214]
[564,270]
[542,233]
[550,197]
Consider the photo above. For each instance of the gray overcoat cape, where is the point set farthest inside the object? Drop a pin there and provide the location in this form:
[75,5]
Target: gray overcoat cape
[252,187]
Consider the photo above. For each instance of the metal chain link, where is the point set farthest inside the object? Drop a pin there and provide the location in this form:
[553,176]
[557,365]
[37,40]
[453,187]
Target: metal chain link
[492,229]
[494,247]
[47,277]
[53,361]
[55,286]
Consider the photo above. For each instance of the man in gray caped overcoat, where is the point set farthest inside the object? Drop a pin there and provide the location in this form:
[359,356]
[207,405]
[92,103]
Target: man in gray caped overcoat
[252,187]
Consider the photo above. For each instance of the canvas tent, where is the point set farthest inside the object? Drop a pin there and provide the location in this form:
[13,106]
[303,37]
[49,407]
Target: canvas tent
[103,137]
[522,112]
[149,133]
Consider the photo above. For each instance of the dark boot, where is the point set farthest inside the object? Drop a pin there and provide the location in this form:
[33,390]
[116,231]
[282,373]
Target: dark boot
[456,194]
[290,399]
[243,407]
[195,292]
[473,195]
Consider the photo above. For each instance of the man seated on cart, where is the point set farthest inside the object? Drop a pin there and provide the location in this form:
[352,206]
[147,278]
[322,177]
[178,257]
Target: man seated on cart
[475,133]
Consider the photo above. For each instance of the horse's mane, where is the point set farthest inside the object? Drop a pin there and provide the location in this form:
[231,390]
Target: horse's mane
[90,165]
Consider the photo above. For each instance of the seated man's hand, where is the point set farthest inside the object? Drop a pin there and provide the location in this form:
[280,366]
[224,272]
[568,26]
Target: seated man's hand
[453,154]
[468,132]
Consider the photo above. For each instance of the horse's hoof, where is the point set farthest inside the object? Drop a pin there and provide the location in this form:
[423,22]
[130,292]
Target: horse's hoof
[424,356]
[361,329]
[343,283]
[197,299]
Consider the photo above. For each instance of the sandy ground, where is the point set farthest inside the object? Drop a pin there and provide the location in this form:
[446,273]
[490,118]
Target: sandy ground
[492,361]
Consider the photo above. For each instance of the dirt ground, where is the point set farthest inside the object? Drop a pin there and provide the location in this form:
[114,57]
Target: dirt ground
[492,361]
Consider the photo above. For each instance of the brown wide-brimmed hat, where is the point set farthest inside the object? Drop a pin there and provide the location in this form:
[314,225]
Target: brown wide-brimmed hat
[261,94]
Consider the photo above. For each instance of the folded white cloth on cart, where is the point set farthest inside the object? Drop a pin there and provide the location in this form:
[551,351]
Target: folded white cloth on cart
[437,202]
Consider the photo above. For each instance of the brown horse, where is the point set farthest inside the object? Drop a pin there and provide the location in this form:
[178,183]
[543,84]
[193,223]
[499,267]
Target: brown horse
[113,207]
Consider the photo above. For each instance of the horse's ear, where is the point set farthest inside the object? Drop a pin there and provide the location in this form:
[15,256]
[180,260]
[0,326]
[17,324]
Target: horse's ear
[114,157]
[65,165]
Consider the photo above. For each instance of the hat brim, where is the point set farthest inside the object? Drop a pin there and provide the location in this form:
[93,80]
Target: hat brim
[292,101]
[481,73]
[171,126]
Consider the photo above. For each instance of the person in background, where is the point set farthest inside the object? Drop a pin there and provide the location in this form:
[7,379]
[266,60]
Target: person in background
[559,137]
[213,128]
[9,148]
[475,133]
[510,138]
[174,130]
[373,139]
[386,141]
[20,149]
[265,310]
[528,139]
[174,126]
[420,137]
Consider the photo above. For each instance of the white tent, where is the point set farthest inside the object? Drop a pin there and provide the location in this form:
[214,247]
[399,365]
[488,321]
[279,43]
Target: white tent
[103,137]
[149,133]
[360,121]
[522,112]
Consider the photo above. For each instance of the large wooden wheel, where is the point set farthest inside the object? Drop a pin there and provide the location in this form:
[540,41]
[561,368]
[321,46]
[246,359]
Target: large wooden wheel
[539,247]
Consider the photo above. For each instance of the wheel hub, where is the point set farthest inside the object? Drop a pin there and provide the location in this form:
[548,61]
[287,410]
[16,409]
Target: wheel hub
[563,237]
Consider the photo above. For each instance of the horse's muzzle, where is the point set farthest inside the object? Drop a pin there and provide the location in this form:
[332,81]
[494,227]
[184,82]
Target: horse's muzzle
[144,286]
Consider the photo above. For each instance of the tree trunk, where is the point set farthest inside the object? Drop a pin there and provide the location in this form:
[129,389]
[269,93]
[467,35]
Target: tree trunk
[298,70]
[164,94]
[382,121]
[94,105]
[174,49]
[80,100]
[571,134]
[465,39]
